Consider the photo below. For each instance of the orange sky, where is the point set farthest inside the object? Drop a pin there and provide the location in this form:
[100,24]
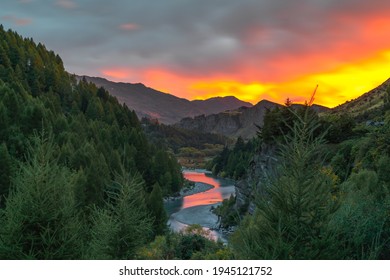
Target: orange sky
[253,50]
[344,68]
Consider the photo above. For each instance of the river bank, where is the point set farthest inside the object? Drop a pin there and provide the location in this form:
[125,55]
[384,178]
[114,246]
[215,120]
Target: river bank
[200,215]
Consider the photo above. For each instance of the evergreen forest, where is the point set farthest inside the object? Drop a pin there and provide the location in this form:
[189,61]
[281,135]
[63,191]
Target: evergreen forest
[82,178]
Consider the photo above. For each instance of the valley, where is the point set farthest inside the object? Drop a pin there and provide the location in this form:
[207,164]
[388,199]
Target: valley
[88,169]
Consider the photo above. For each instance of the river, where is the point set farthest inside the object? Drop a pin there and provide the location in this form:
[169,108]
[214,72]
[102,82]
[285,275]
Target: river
[196,208]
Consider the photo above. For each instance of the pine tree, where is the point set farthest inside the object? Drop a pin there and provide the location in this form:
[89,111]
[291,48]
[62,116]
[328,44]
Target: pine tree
[122,226]
[5,173]
[39,220]
[293,214]
[156,207]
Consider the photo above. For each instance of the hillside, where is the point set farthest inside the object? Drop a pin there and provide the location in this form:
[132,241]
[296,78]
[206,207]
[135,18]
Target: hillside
[365,104]
[78,176]
[167,108]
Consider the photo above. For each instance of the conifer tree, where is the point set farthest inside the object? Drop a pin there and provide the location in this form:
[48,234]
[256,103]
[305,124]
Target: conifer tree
[5,173]
[157,210]
[121,227]
[39,220]
[293,212]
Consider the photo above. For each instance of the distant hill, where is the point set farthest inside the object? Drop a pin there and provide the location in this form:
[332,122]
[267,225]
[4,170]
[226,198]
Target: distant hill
[233,123]
[366,103]
[167,108]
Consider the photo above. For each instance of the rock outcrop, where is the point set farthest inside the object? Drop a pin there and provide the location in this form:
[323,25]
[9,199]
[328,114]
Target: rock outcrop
[261,166]
[233,123]
[242,122]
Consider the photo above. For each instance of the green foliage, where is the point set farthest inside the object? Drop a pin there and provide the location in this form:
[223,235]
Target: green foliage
[39,220]
[291,220]
[119,229]
[342,162]
[276,123]
[361,225]
[383,167]
[6,168]
[227,212]
[386,100]
[234,162]
[340,127]
[279,120]
[305,213]
[94,138]
[192,243]
[174,137]
[156,206]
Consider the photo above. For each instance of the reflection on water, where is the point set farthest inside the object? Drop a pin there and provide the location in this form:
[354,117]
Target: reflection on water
[204,198]
[196,208]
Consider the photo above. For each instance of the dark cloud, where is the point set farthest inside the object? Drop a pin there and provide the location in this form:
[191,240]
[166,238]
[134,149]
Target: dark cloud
[191,36]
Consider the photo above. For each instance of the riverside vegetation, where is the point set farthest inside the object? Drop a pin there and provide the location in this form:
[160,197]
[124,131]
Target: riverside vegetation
[79,179]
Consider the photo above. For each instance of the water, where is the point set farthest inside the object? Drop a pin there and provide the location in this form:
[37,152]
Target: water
[196,208]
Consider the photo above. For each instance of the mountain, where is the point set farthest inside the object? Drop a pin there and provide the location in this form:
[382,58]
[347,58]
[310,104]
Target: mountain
[167,108]
[317,108]
[219,104]
[366,103]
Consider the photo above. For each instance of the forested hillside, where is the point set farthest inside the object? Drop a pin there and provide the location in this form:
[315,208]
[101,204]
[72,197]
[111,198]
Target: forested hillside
[319,187]
[78,177]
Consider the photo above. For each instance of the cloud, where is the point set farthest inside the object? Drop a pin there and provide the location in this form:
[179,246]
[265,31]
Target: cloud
[128,26]
[66,4]
[17,21]
[230,42]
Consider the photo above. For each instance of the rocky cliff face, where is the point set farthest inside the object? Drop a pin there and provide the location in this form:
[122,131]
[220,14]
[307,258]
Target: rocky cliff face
[260,168]
[241,122]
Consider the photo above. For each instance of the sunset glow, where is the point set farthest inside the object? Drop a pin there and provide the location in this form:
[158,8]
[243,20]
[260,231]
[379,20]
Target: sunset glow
[336,86]
[255,50]
[344,67]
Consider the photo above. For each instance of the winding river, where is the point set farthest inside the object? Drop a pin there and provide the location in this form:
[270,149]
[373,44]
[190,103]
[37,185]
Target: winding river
[196,208]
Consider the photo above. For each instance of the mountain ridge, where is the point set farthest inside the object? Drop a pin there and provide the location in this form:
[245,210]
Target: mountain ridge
[244,121]
[167,108]
[241,122]
[366,102]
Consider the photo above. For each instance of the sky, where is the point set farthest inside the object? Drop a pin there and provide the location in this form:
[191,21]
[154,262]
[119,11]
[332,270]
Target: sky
[196,49]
